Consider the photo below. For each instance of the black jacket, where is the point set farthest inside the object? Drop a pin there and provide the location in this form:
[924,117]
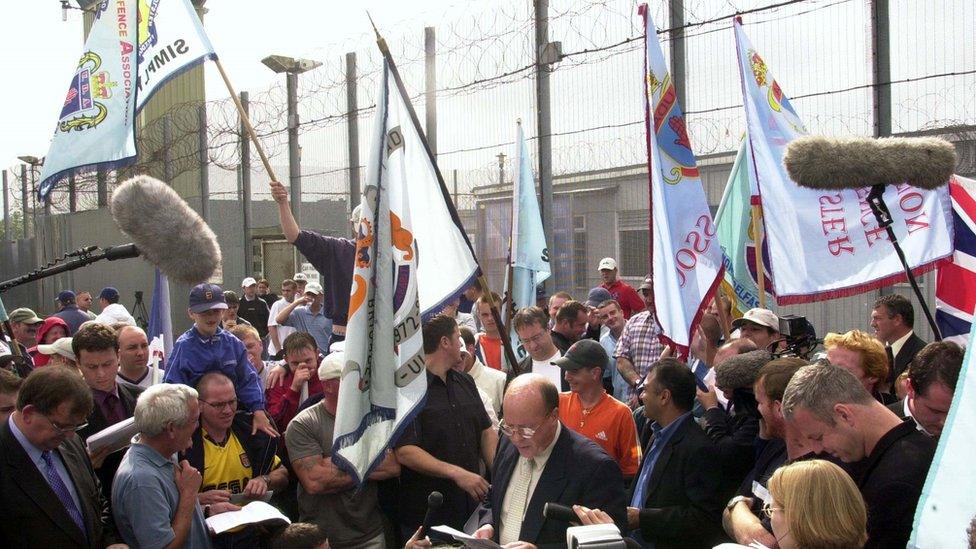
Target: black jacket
[31,515]
[891,479]
[684,504]
[905,356]
[259,447]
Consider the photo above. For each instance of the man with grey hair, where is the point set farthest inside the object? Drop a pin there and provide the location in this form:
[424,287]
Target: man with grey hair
[154,499]
[832,412]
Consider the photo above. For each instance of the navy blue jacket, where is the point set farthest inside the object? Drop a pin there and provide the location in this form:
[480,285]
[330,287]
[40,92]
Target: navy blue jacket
[578,472]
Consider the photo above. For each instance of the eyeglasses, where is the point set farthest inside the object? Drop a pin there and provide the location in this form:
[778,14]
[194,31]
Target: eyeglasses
[64,429]
[768,510]
[232,404]
[524,432]
[534,339]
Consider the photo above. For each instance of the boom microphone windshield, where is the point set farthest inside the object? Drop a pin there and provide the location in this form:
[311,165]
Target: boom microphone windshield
[818,162]
[168,233]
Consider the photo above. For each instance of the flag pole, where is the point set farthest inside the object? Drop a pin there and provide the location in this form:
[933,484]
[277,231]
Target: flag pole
[757,228]
[245,120]
[482,280]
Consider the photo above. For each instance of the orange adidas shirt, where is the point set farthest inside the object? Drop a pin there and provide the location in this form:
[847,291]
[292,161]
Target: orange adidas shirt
[609,424]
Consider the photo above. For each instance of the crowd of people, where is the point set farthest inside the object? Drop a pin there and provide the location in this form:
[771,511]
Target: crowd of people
[739,440]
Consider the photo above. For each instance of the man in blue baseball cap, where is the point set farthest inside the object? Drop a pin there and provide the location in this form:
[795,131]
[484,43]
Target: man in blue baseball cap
[69,312]
[206,347]
[113,312]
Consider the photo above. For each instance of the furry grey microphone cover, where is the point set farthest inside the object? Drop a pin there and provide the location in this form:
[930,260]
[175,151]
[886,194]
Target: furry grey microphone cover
[819,162]
[168,233]
[741,371]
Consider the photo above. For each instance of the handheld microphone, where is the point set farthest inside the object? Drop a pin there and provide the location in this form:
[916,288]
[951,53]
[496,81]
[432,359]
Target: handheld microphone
[825,163]
[434,502]
[559,512]
[166,231]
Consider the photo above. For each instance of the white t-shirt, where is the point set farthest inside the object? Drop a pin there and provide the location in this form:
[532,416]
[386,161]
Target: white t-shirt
[283,331]
[554,373]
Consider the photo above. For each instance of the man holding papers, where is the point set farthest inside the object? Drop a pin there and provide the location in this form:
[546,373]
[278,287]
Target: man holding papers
[97,348]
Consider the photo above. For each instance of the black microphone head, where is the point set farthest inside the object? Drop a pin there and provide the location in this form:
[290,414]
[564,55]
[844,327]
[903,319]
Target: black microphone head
[168,233]
[826,163]
[435,500]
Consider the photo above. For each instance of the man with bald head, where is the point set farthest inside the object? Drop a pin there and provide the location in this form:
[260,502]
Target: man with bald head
[134,357]
[541,461]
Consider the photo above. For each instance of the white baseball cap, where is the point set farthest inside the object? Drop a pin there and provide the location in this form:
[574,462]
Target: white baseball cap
[61,346]
[300,277]
[314,288]
[762,317]
[331,366]
[607,263]
[247,282]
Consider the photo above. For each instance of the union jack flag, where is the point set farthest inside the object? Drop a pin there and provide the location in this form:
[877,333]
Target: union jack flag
[955,287]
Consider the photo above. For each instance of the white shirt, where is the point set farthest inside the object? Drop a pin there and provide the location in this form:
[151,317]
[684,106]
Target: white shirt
[540,465]
[283,331]
[115,312]
[554,373]
[491,382]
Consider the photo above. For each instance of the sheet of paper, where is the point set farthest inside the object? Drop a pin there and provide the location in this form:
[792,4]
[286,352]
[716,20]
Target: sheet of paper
[116,436]
[252,513]
[468,541]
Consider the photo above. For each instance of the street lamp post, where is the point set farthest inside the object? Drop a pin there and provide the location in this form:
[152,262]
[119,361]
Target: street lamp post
[292,68]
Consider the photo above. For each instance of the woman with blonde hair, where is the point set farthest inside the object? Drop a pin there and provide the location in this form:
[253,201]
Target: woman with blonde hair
[815,505]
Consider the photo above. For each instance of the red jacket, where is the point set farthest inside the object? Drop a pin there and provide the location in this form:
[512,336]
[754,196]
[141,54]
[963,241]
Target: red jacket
[283,403]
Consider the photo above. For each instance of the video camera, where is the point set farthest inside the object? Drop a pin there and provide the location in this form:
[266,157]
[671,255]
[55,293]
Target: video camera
[800,336]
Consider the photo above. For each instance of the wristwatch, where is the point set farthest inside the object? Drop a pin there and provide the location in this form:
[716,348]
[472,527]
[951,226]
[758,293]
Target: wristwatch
[267,480]
[206,511]
[732,502]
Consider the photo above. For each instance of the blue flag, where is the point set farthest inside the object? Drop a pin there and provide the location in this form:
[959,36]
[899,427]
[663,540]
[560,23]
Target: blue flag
[96,125]
[530,255]
[160,330]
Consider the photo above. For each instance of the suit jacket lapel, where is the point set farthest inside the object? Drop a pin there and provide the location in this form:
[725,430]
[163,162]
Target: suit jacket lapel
[550,487]
[32,481]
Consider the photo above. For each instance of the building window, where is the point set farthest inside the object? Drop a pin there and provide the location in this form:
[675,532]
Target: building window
[579,252]
[634,249]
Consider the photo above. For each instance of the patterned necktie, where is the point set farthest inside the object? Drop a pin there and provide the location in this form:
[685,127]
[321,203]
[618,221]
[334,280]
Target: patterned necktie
[515,506]
[61,489]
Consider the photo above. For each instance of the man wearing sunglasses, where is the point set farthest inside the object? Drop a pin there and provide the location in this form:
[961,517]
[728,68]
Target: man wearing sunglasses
[540,461]
[49,493]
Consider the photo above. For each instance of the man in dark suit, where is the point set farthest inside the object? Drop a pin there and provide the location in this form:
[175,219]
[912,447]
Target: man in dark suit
[893,320]
[97,348]
[676,500]
[49,494]
[540,461]
[932,380]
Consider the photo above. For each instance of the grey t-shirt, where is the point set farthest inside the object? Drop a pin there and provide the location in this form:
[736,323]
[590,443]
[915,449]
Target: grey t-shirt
[348,518]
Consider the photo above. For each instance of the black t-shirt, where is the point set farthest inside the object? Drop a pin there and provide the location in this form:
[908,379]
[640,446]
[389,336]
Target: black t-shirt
[449,428]
[256,312]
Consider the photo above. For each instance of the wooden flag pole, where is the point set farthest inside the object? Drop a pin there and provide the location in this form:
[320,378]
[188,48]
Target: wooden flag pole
[757,229]
[246,120]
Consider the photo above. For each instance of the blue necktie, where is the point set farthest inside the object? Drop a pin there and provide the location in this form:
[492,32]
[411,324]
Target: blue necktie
[61,489]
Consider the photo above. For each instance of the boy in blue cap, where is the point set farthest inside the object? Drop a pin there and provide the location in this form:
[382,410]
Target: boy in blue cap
[206,347]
